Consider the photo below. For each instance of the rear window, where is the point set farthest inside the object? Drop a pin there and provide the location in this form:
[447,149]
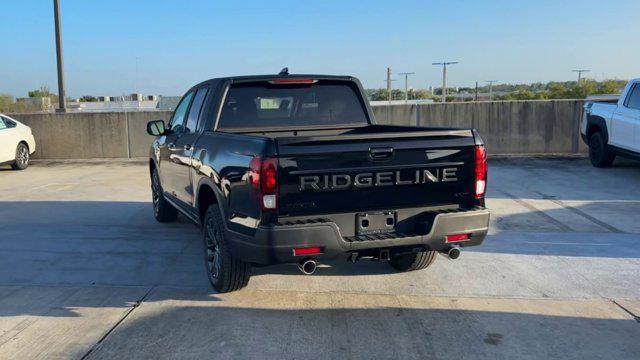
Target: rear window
[266,105]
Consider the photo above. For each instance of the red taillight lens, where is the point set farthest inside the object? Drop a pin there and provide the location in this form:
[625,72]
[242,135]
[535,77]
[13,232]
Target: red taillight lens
[268,176]
[307,251]
[481,171]
[457,237]
[263,176]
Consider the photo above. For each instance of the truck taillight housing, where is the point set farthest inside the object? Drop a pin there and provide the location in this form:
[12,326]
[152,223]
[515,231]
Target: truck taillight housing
[264,178]
[481,171]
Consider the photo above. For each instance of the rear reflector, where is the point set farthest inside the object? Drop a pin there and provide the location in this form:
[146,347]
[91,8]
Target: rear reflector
[269,202]
[307,251]
[457,237]
[293,81]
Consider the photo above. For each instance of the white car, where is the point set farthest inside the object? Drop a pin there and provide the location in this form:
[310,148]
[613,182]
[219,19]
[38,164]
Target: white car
[16,143]
[611,125]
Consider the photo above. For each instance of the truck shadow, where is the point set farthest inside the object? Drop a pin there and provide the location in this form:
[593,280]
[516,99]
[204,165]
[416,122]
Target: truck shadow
[119,243]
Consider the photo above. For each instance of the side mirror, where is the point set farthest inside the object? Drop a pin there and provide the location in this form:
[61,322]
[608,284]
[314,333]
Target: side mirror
[156,128]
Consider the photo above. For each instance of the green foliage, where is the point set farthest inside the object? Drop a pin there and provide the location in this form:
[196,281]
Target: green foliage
[383,94]
[9,105]
[6,103]
[88,98]
[560,90]
[535,91]
[42,92]
[609,87]
[418,94]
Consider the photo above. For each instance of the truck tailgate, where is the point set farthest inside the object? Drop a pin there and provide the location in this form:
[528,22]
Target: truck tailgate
[384,171]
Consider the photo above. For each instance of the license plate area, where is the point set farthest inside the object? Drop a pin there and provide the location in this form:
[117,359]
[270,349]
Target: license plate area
[376,222]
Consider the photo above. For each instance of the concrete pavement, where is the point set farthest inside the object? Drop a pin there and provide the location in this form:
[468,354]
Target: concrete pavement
[86,271]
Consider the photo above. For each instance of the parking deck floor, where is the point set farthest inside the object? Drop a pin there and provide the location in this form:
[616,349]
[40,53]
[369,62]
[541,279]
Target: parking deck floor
[85,271]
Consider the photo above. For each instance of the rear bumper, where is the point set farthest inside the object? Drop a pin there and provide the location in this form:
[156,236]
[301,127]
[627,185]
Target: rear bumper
[275,244]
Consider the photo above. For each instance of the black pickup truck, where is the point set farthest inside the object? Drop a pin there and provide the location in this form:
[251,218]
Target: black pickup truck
[294,169]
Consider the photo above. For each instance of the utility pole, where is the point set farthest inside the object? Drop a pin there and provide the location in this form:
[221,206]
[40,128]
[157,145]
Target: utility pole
[580,71]
[61,92]
[406,86]
[475,98]
[389,82]
[444,77]
[490,82]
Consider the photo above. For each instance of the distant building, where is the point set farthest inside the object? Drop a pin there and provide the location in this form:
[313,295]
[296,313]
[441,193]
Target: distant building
[113,106]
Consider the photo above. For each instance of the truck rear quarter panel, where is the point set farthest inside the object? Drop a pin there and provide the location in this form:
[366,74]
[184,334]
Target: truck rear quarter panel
[222,161]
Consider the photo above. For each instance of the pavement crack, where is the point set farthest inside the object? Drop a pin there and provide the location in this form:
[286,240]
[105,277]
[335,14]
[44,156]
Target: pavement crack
[634,316]
[563,227]
[579,212]
[104,337]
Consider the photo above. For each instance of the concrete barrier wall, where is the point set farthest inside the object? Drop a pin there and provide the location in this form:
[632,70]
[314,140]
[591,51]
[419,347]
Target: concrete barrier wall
[507,127]
[91,135]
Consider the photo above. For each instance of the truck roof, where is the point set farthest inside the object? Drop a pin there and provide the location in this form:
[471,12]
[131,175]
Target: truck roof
[267,77]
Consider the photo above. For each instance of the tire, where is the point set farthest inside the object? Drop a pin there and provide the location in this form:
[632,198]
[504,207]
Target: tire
[22,157]
[163,211]
[225,272]
[414,261]
[599,155]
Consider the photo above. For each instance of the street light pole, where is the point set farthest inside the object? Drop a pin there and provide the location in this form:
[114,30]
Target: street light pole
[406,86]
[444,77]
[61,92]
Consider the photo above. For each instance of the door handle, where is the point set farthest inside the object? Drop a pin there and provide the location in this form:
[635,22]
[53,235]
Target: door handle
[380,153]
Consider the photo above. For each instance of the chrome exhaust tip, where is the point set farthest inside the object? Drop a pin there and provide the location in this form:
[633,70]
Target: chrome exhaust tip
[307,266]
[452,253]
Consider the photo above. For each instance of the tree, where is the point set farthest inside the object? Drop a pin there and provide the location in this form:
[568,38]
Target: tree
[535,91]
[88,98]
[418,94]
[6,103]
[609,87]
[42,92]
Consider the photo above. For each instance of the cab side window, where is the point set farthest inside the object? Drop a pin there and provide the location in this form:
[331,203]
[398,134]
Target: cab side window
[196,109]
[3,125]
[8,123]
[633,102]
[176,125]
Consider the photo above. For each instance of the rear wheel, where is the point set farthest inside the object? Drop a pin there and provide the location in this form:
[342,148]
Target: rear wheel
[22,157]
[599,154]
[225,272]
[414,261]
[162,210]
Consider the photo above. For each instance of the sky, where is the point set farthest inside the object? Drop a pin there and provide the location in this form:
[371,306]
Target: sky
[117,47]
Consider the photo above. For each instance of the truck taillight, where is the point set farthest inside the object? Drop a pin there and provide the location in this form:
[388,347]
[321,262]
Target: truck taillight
[481,171]
[264,178]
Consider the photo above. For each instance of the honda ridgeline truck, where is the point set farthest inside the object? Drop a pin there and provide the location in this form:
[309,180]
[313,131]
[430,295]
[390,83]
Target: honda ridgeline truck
[294,169]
